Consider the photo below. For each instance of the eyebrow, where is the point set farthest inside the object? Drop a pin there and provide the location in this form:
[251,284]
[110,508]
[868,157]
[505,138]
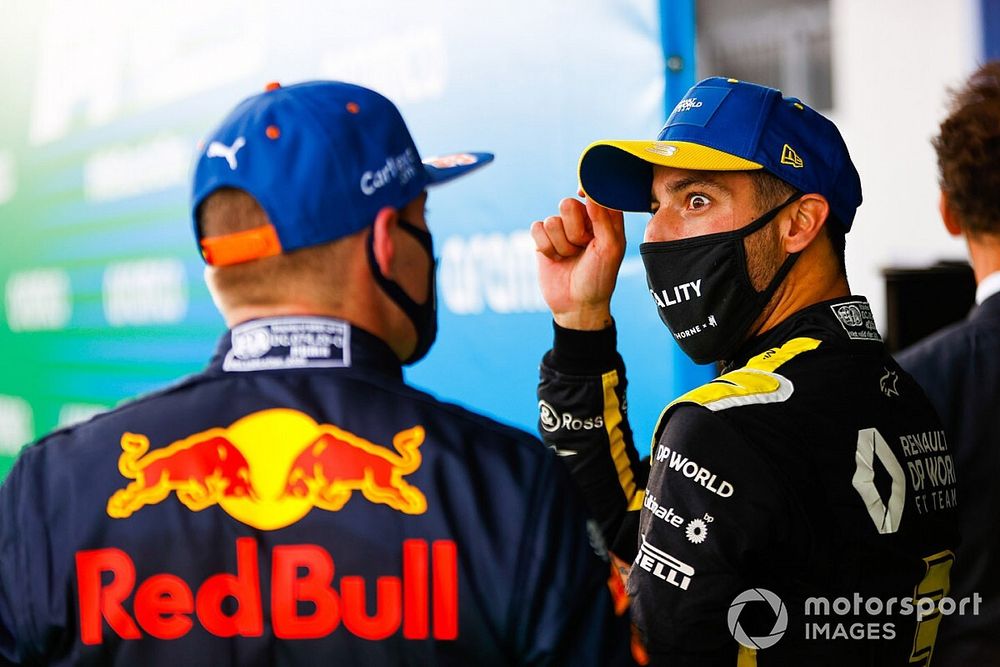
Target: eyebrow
[685,183]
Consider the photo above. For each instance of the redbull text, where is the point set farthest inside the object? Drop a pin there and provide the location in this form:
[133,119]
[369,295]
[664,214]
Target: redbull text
[423,602]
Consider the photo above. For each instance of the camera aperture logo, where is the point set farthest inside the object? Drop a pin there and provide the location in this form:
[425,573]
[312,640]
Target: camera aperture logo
[780,618]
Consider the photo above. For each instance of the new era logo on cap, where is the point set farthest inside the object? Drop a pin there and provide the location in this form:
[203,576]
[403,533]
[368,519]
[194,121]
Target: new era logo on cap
[321,158]
[790,157]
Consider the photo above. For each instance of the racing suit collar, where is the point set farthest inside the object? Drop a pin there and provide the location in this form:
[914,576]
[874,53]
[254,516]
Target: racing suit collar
[302,342]
[846,320]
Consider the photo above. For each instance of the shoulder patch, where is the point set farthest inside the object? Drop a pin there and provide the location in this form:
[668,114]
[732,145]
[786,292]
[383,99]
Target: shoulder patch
[857,319]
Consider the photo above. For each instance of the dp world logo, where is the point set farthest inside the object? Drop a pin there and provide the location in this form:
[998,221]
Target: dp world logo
[780,618]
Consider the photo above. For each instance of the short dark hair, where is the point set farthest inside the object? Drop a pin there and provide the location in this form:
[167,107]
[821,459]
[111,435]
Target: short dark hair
[968,147]
[770,191]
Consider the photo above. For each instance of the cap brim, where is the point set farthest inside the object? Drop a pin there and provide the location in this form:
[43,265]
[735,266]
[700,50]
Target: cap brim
[444,168]
[619,174]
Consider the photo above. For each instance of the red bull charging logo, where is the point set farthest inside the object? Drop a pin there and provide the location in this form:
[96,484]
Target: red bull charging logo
[269,469]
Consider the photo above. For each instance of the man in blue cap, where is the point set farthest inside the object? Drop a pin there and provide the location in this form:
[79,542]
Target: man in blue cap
[297,503]
[813,471]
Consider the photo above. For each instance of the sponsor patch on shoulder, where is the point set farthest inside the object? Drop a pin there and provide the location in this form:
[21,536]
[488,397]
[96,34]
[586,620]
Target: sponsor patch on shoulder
[857,320]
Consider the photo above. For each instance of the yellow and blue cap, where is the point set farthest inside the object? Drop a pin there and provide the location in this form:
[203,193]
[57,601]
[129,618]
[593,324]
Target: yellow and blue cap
[729,125]
[321,158]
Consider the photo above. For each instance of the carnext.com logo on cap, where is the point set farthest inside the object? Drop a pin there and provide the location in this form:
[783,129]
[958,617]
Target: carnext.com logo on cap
[402,166]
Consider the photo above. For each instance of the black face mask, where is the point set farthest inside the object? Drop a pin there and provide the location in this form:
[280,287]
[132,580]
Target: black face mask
[703,291]
[422,315]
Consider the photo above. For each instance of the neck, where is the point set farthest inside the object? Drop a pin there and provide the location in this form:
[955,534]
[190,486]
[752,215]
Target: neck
[810,281]
[984,253]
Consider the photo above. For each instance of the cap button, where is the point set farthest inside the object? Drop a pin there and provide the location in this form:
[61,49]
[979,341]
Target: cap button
[274,85]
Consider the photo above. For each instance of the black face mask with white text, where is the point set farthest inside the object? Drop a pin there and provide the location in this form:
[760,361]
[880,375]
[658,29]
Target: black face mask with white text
[702,288]
[422,315]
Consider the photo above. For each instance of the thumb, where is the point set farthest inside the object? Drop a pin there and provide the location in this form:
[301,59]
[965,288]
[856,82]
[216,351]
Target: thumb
[608,224]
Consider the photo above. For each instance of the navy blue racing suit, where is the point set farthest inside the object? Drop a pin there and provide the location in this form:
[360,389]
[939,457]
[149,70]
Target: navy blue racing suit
[297,504]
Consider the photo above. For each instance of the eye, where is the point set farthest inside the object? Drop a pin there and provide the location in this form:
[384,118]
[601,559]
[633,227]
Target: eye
[697,201]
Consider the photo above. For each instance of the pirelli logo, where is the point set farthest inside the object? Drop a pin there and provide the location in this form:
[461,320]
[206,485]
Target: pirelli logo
[664,566]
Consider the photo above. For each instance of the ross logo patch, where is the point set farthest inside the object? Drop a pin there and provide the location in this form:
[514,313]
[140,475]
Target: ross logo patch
[551,420]
[790,157]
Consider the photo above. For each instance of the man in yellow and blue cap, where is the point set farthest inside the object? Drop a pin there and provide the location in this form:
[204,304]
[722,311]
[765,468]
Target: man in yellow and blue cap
[296,503]
[813,471]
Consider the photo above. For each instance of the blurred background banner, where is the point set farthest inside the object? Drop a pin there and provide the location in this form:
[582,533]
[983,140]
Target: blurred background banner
[105,102]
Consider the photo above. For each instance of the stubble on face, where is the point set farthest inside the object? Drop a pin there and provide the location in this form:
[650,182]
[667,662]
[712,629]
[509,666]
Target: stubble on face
[764,255]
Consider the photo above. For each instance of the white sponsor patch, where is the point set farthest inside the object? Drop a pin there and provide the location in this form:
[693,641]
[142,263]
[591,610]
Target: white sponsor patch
[38,300]
[299,342]
[857,320]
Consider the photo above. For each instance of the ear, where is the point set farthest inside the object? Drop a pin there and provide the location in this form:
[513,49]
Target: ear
[948,216]
[808,215]
[385,251]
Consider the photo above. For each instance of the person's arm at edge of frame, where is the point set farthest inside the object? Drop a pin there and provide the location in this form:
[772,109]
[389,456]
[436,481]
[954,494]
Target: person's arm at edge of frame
[569,605]
[582,405]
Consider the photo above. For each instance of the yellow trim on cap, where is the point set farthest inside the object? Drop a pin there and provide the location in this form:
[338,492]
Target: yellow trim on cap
[680,154]
[677,154]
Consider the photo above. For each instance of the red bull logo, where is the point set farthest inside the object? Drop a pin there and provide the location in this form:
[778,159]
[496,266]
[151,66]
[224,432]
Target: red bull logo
[269,469]
[421,603]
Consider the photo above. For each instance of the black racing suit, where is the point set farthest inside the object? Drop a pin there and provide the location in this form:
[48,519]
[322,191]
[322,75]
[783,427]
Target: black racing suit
[814,468]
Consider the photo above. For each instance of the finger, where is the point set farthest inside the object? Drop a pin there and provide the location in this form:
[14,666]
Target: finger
[608,224]
[555,228]
[576,222]
[542,242]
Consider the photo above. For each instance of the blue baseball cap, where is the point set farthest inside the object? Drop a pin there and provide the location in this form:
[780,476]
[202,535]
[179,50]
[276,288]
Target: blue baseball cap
[729,125]
[321,158]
